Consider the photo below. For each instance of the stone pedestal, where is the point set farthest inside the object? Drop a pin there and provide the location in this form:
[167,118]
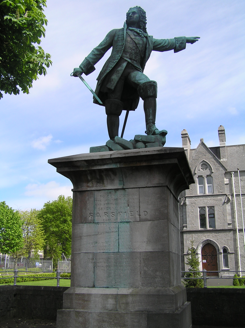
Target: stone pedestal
[126,240]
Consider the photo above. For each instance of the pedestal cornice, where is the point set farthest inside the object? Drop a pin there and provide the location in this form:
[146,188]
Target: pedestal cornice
[97,171]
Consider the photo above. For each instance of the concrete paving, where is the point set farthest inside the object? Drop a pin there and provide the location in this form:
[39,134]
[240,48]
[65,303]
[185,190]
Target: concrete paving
[36,323]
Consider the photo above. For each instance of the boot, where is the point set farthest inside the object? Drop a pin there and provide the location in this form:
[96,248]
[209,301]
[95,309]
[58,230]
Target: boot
[112,126]
[150,106]
[113,108]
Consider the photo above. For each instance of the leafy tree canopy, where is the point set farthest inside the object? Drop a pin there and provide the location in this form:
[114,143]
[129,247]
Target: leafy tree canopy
[33,233]
[56,219]
[21,59]
[11,237]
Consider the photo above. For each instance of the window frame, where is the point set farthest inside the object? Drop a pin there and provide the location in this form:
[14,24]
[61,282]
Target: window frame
[202,219]
[201,185]
[209,209]
[206,186]
[227,258]
[209,184]
[207,216]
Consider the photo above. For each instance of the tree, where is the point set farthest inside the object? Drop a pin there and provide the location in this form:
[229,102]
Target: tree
[21,60]
[11,236]
[56,220]
[33,233]
[194,272]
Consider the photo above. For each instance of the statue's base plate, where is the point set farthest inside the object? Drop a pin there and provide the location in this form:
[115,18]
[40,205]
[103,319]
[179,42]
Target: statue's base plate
[139,142]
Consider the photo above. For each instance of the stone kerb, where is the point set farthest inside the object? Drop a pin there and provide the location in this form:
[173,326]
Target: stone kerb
[125,239]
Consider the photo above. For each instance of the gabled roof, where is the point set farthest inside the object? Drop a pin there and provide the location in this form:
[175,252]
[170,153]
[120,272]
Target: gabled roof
[202,144]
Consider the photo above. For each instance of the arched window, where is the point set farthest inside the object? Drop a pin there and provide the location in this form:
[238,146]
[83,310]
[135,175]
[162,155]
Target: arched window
[225,258]
[209,184]
[200,185]
[204,178]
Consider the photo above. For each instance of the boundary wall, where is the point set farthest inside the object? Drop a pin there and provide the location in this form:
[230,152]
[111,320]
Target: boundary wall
[221,307]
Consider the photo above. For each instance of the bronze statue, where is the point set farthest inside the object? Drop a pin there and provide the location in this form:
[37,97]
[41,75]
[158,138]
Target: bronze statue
[121,81]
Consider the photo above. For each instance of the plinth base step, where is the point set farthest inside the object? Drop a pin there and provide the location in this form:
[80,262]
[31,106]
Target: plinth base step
[181,318]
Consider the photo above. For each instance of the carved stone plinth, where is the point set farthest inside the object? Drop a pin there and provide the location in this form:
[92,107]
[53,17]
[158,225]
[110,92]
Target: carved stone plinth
[126,239]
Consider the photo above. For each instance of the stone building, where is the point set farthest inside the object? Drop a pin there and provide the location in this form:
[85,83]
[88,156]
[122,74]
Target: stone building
[212,210]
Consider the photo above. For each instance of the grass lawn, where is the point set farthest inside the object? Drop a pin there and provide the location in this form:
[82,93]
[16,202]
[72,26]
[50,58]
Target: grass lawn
[50,283]
[226,286]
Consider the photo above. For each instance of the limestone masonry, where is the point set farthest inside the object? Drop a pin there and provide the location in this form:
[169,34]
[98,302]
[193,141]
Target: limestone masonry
[212,210]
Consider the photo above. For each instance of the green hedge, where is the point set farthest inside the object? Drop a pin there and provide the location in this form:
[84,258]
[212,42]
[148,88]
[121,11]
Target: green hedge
[65,275]
[238,282]
[27,277]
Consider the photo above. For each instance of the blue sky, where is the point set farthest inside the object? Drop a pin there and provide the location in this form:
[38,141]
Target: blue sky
[199,89]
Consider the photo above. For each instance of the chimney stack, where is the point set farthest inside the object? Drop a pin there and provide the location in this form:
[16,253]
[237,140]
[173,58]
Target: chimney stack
[222,143]
[222,138]
[186,142]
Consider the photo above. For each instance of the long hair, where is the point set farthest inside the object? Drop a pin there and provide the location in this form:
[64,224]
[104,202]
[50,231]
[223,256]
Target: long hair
[142,14]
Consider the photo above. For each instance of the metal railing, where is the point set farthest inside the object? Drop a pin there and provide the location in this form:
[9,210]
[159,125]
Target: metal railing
[8,263]
[205,276]
[10,274]
[64,266]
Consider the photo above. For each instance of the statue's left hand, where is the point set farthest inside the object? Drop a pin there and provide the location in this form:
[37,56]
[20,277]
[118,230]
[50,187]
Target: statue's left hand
[192,39]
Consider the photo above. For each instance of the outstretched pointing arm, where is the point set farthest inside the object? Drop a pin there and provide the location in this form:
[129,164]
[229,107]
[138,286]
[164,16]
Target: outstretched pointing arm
[177,44]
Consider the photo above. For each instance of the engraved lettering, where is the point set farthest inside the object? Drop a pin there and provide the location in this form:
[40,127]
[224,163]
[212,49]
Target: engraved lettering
[145,213]
[131,213]
[90,215]
[112,214]
[98,215]
[122,214]
[106,214]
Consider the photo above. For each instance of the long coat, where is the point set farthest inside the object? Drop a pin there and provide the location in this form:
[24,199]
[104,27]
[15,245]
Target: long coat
[116,39]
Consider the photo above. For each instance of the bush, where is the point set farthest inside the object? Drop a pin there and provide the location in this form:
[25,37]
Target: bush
[242,281]
[236,281]
[194,272]
[65,275]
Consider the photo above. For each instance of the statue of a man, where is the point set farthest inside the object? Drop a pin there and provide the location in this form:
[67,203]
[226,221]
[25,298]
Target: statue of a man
[121,81]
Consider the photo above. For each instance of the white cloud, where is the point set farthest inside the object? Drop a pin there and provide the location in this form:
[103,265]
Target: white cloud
[50,190]
[233,111]
[42,142]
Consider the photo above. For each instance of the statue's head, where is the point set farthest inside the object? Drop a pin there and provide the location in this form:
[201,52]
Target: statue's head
[141,17]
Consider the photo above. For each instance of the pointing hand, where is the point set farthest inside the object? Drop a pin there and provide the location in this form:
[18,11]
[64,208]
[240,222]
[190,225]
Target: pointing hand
[192,39]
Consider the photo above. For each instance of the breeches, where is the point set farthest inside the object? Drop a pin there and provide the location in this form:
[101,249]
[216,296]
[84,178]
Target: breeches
[125,72]
[129,75]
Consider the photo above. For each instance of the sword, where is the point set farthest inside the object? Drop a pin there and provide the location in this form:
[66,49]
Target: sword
[90,89]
